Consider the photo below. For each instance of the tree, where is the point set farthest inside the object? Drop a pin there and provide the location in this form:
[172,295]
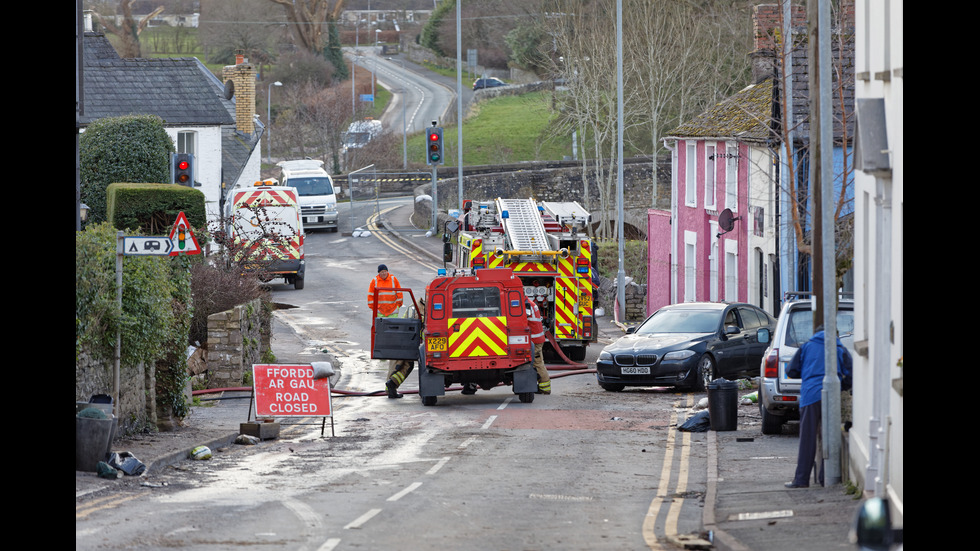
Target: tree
[309,21]
[129,30]
[230,26]
[133,148]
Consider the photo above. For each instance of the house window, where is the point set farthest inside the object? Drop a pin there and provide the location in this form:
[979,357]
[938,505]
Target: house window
[731,270]
[690,185]
[709,176]
[186,142]
[731,178]
[690,265]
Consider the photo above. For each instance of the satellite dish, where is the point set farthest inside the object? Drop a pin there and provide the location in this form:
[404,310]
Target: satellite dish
[726,220]
[229,89]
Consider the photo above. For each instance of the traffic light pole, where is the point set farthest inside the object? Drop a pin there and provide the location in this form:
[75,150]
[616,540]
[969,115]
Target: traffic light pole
[435,201]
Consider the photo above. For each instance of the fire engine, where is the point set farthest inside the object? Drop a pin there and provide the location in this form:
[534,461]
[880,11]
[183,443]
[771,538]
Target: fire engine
[474,331]
[548,249]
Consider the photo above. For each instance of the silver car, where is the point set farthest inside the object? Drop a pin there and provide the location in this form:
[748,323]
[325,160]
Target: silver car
[779,395]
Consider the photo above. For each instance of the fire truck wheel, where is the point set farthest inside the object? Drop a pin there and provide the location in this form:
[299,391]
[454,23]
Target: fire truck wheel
[429,400]
[298,282]
[526,397]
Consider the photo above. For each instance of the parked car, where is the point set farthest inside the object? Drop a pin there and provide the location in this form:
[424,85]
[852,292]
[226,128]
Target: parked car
[687,346]
[488,82]
[779,396]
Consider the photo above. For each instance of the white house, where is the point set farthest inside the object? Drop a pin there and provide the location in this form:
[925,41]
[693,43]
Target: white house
[876,440]
[204,115]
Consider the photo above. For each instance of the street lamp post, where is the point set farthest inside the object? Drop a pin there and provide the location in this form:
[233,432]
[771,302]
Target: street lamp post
[268,119]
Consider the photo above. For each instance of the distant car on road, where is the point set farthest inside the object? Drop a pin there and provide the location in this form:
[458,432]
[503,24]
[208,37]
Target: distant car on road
[489,82]
[687,346]
[779,396]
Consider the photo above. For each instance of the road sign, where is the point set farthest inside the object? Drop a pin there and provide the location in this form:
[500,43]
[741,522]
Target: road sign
[290,391]
[147,246]
[183,238]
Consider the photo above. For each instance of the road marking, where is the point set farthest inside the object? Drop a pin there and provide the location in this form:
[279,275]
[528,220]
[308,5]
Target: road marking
[663,487]
[411,488]
[554,497]
[97,504]
[359,521]
[506,401]
[435,468]
[467,442]
[762,515]
[329,545]
[390,242]
[489,422]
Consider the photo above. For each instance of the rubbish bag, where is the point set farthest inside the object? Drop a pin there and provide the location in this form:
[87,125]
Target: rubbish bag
[200,452]
[699,422]
[105,471]
[127,463]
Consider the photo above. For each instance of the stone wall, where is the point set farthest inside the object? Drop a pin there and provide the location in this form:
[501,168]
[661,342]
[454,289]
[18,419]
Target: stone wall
[557,181]
[237,339]
[94,376]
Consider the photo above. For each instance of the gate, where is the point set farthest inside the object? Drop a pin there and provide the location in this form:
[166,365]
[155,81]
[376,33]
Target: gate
[373,193]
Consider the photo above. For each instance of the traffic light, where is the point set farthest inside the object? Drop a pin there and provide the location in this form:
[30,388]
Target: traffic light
[183,169]
[434,150]
[181,237]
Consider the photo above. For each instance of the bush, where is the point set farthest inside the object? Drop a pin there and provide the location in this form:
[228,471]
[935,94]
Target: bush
[634,259]
[147,319]
[154,207]
[134,148]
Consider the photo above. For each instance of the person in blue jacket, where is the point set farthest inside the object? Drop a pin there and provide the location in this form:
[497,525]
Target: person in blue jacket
[808,365]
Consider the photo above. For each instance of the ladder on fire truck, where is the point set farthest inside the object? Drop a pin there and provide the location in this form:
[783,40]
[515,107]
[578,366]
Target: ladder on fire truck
[522,224]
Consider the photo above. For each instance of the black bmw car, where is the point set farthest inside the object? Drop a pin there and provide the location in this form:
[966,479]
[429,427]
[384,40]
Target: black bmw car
[687,346]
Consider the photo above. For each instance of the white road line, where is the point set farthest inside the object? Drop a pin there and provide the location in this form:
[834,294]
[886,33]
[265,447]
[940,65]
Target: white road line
[359,521]
[489,422]
[467,442]
[506,401]
[329,545]
[435,468]
[411,487]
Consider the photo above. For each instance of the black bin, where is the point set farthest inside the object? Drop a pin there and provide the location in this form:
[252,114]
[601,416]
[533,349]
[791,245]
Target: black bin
[723,404]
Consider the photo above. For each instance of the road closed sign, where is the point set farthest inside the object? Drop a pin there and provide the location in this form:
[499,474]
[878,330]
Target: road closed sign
[290,390]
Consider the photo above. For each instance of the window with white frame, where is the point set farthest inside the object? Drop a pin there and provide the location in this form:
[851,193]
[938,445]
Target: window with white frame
[690,265]
[731,270]
[709,176]
[691,182]
[731,177]
[186,142]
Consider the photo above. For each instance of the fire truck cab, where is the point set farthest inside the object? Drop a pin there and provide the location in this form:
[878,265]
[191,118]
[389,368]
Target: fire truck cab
[547,247]
[476,331]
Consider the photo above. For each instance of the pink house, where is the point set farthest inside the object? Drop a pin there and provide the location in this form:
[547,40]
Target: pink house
[720,232]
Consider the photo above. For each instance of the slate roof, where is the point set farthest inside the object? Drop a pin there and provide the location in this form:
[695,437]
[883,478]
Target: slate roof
[744,116]
[173,89]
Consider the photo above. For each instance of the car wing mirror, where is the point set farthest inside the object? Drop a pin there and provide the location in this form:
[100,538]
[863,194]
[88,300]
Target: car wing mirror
[763,335]
[732,330]
[631,330]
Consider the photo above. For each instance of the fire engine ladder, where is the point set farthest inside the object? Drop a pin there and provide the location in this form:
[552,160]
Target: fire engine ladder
[523,225]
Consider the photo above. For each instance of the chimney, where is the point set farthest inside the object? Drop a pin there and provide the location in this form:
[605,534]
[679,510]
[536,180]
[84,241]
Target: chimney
[242,76]
[767,32]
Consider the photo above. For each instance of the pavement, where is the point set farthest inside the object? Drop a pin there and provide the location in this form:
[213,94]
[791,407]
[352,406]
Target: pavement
[746,506]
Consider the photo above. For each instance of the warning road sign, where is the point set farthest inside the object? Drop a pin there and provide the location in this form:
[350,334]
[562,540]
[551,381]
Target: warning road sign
[290,391]
[183,238]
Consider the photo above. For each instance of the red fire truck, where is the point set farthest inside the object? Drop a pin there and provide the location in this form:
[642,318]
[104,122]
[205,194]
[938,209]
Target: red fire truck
[475,333]
[547,247]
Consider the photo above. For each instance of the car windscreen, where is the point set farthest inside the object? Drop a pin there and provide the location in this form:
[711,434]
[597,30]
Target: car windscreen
[476,302]
[682,321]
[799,327]
[311,186]
[353,139]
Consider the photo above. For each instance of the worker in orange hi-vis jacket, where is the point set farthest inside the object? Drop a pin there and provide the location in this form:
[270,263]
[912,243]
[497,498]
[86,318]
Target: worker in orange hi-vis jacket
[386,305]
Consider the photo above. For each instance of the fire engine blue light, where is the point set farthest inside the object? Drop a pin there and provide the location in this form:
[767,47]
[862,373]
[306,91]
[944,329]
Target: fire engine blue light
[441,272]
[505,214]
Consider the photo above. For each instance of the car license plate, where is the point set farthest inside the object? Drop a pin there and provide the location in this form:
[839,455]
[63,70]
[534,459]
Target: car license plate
[436,344]
[634,370]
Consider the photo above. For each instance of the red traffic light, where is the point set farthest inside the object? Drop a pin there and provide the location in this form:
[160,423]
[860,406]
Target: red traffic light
[433,137]
[183,165]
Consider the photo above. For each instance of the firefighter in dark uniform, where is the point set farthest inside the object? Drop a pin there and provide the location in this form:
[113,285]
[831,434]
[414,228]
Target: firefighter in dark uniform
[536,325]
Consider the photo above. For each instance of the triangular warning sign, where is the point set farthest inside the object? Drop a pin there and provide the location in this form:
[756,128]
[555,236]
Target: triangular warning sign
[183,238]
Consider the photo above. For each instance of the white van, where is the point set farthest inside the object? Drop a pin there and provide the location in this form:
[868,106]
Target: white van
[359,133]
[317,194]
